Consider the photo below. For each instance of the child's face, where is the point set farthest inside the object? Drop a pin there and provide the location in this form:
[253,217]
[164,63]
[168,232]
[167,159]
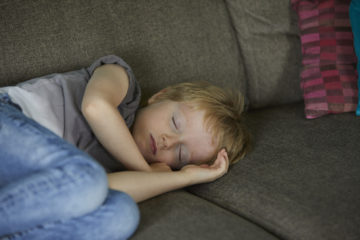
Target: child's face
[173,133]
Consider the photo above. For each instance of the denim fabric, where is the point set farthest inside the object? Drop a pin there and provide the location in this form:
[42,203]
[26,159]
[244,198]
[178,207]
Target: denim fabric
[51,190]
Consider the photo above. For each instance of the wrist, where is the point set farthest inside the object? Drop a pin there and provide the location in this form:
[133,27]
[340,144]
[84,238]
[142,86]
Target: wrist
[187,177]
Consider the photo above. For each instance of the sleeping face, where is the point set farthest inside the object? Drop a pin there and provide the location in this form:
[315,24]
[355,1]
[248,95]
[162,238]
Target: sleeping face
[173,133]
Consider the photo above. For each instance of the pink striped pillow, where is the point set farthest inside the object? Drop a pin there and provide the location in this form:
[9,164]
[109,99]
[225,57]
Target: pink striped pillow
[328,78]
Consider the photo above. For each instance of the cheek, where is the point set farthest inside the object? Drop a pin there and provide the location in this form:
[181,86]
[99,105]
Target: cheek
[141,144]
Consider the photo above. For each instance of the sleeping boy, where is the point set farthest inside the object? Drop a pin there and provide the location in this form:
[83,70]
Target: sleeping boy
[187,134]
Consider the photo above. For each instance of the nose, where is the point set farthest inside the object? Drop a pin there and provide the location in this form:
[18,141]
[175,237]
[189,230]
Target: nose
[168,141]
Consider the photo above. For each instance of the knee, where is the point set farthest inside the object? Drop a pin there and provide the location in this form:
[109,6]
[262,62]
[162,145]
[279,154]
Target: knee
[123,216]
[89,171]
[89,183]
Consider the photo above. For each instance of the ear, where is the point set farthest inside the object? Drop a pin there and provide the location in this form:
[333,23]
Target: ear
[155,96]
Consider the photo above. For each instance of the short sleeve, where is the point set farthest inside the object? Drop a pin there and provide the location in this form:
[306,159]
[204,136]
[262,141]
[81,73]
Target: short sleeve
[130,103]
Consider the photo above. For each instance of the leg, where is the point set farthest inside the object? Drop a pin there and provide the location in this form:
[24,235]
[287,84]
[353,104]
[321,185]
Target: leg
[117,218]
[42,177]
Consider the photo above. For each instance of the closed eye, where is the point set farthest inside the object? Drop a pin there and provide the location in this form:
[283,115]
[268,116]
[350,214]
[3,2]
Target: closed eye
[180,153]
[173,120]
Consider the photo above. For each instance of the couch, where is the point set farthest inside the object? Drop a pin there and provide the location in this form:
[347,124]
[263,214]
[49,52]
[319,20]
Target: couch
[302,178]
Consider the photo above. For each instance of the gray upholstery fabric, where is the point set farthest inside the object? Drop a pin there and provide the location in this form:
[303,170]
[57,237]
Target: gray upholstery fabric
[267,32]
[301,180]
[163,41]
[180,215]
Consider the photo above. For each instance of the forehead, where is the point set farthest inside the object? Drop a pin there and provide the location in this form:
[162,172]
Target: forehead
[198,138]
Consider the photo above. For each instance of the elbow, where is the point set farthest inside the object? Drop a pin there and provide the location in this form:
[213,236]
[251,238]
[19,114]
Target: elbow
[92,108]
[87,107]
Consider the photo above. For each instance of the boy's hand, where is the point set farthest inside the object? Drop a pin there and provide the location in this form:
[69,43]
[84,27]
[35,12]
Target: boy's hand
[160,167]
[208,173]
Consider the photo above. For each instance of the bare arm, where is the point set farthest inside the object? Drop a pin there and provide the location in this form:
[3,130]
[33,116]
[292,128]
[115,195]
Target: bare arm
[143,185]
[105,91]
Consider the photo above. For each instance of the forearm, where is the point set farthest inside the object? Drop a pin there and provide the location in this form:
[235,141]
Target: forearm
[144,185]
[111,130]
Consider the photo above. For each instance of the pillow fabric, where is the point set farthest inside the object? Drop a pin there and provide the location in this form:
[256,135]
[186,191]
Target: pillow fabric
[328,77]
[355,23]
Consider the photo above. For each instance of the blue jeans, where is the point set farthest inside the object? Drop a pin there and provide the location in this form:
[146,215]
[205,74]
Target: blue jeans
[51,190]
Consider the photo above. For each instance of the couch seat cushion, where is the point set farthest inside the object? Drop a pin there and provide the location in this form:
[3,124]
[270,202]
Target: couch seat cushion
[301,180]
[181,215]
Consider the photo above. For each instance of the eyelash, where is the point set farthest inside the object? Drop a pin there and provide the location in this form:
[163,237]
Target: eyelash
[173,120]
[180,153]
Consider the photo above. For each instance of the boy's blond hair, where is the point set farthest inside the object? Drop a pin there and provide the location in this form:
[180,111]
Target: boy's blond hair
[223,113]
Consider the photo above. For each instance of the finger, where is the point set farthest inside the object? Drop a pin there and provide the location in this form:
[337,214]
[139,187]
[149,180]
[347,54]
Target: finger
[226,160]
[219,170]
[219,167]
[223,163]
[221,155]
[226,157]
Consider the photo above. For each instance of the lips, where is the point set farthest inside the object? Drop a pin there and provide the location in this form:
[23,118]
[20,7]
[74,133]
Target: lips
[153,145]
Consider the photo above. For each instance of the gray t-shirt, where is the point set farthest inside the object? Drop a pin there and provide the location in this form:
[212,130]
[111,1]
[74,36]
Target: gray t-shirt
[55,102]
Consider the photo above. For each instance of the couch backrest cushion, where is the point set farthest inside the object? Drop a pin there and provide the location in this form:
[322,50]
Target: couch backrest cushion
[268,37]
[164,41]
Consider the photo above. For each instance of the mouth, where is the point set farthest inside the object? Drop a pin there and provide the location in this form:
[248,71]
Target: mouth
[153,145]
